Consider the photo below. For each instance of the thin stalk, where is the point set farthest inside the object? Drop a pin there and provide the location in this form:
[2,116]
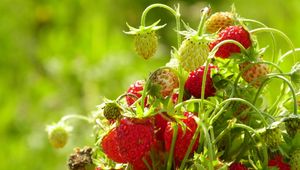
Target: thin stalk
[287,53]
[224,132]
[207,142]
[176,13]
[73,116]
[190,148]
[181,85]
[174,138]
[190,101]
[271,33]
[213,119]
[291,89]
[249,129]
[205,12]
[146,163]
[258,30]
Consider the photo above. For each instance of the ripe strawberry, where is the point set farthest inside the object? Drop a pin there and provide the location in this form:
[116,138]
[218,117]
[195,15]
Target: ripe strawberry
[135,137]
[140,165]
[295,160]
[278,162]
[183,139]
[175,96]
[81,159]
[292,125]
[58,135]
[162,82]
[111,148]
[193,83]
[255,74]
[193,53]
[112,111]
[160,126]
[135,90]
[146,44]
[237,166]
[237,33]
[219,21]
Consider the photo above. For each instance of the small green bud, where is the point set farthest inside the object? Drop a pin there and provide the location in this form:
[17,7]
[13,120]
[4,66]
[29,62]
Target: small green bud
[272,136]
[112,111]
[292,125]
[58,135]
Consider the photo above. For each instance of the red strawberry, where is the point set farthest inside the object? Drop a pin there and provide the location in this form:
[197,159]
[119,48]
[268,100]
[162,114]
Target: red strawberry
[160,125]
[136,90]
[140,165]
[278,162]
[194,82]
[110,147]
[237,33]
[237,166]
[135,137]
[183,139]
[175,97]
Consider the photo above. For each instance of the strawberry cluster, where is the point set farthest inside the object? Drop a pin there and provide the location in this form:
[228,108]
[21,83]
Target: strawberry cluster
[208,108]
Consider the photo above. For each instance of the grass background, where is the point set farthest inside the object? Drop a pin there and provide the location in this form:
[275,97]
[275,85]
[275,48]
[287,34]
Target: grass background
[61,57]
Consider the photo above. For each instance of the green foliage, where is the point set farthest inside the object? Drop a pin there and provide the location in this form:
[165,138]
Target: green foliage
[61,57]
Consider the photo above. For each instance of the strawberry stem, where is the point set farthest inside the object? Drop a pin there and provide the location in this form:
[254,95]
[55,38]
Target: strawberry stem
[190,101]
[225,131]
[207,141]
[73,116]
[171,153]
[274,45]
[205,12]
[287,53]
[176,13]
[249,129]
[227,101]
[291,89]
[258,30]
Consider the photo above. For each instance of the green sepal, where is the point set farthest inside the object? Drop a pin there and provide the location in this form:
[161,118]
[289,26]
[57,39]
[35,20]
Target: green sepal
[143,29]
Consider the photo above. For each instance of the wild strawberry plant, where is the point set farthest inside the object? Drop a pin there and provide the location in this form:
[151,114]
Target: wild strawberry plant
[205,109]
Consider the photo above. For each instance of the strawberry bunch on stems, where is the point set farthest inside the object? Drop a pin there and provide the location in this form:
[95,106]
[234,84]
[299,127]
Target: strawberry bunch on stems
[205,109]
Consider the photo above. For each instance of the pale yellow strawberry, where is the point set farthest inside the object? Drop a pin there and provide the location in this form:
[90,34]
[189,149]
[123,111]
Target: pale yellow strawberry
[58,135]
[254,74]
[193,53]
[219,21]
[146,44]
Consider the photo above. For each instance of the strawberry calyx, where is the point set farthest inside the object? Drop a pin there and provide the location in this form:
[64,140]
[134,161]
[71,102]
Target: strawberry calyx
[144,29]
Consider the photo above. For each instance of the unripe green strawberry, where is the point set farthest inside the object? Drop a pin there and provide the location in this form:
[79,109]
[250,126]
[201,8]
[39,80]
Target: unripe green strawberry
[162,82]
[112,111]
[81,159]
[295,160]
[58,135]
[219,21]
[145,39]
[146,44]
[272,136]
[254,74]
[292,125]
[193,53]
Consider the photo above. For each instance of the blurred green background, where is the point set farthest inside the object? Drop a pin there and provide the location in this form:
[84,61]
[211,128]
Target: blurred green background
[62,57]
